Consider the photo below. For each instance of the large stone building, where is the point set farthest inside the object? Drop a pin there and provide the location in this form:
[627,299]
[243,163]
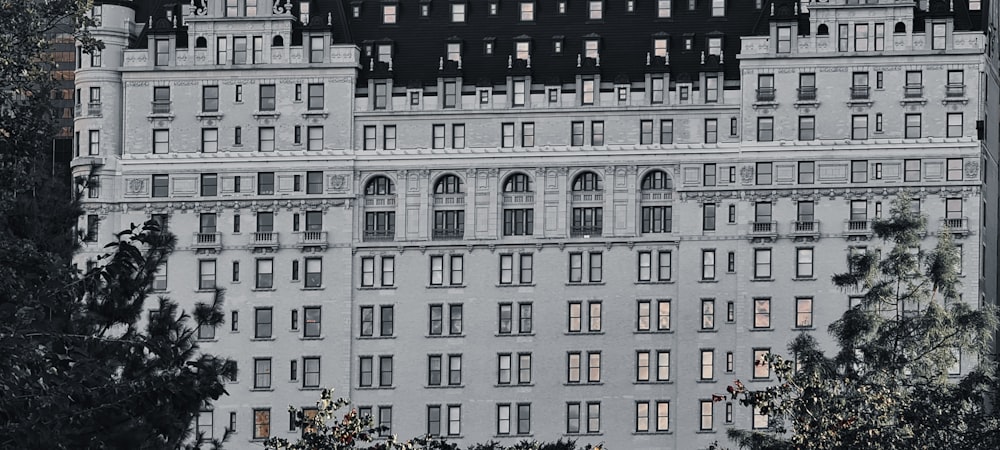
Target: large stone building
[509,219]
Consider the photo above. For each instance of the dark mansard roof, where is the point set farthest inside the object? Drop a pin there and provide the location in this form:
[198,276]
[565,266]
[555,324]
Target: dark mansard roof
[419,42]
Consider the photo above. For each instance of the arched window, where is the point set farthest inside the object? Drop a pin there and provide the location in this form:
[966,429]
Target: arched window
[656,180]
[900,28]
[448,184]
[278,41]
[822,30]
[380,185]
[201,42]
[517,182]
[587,181]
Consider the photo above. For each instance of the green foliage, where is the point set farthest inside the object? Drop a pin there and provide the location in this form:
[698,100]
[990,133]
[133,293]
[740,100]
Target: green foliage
[325,431]
[888,385]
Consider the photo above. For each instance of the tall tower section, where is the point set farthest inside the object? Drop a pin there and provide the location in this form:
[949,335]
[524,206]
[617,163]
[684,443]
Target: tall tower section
[97,136]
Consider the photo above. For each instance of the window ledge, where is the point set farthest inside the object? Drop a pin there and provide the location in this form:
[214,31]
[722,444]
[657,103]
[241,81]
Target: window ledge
[513,385]
[762,380]
[589,283]
[209,115]
[270,289]
[762,280]
[212,290]
[641,332]
[514,335]
[312,338]
[445,386]
[804,279]
[705,432]
[375,388]
[311,388]
[207,340]
[706,381]
[317,288]
[708,330]
[588,433]
[266,114]
[803,328]
[167,291]
[375,338]
[315,113]
[761,329]
[376,288]
[269,389]
[445,286]
[651,433]
[584,383]
[655,282]
[444,336]
[652,383]
[512,285]
[512,435]
[586,333]
[709,281]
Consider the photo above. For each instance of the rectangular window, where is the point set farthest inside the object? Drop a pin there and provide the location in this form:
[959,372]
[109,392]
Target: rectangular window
[859,127]
[807,128]
[764,173]
[861,37]
[645,132]
[708,264]
[161,141]
[265,274]
[314,138]
[666,131]
[206,274]
[209,185]
[707,314]
[310,372]
[262,373]
[657,219]
[597,133]
[954,169]
[663,8]
[807,86]
[859,171]
[784,40]
[524,368]
[762,313]
[765,129]
[221,50]
[209,140]
[314,272]
[450,98]
[911,170]
[267,97]
[762,263]
[938,36]
[519,92]
[365,369]
[707,364]
[316,98]
[575,317]
[265,183]
[912,126]
[711,131]
[265,139]
[954,125]
[507,135]
[843,39]
[576,134]
[385,371]
[261,423]
[803,312]
[708,217]
[761,368]
[436,321]
[518,222]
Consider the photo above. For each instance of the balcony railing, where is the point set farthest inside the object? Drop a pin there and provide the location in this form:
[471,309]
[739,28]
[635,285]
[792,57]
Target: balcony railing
[379,235]
[449,199]
[208,240]
[312,238]
[807,93]
[805,227]
[380,200]
[957,225]
[585,230]
[161,107]
[913,91]
[954,90]
[94,108]
[519,198]
[657,195]
[765,94]
[265,239]
[858,227]
[588,197]
[860,92]
[78,110]
[763,228]
[449,233]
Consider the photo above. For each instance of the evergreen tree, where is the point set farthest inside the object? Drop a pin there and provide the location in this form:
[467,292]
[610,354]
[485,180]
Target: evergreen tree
[892,382]
[80,367]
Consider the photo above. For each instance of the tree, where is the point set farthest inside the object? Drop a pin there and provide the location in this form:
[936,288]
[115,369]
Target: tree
[888,385]
[323,430]
[79,367]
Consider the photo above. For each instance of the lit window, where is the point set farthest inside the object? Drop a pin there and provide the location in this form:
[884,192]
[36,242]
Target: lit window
[389,14]
[527,11]
[663,8]
[458,12]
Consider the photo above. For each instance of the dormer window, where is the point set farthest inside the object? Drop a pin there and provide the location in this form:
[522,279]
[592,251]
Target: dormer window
[522,50]
[715,46]
[454,51]
[663,8]
[660,47]
[384,53]
[316,49]
[356,11]
[784,39]
[304,12]
[595,9]
[458,12]
[425,9]
[494,7]
[162,52]
[488,47]
[388,14]
[590,48]
[557,46]
[688,43]
[527,11]
[561,7]
[718,8]
[630,6]
[938,36]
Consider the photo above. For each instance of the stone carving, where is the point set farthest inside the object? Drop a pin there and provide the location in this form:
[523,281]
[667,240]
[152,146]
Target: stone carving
[746,174]
[282,7]
[972,169]
[338,182]
[136,186]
